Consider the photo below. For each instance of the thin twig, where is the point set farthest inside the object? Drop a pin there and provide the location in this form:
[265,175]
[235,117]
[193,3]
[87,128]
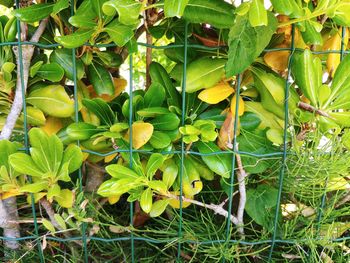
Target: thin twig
[51,213]
[228,198]
[217,209]
[308,107]
[241,175]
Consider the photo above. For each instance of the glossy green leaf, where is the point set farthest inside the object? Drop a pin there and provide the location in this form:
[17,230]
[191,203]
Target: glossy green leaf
[166,122]
[82,131]
[97,7]
[275,136]
[115,187]
[82,22]
[34,68]
[74,156]
[249,121]
[272,91]
[60,5]
[158,207]
[152,112]
[109,58]
[34,187]
[155,161]
[287,7]
[76,39]
[146,200]
[46,151]
[220,164]
[101,79]
[63,57]
[260,205]
[311,34]
[119,171]
[217,13]
[128,10]
[6,149]
[204,73]
[307,71]
[101,109]
[160,140]
[246,43]
[52,72]
[154,96]
[119,33]
[52,100]
[257,13]
[256,142]
[341,83]
[342,14]
[23,164]
[34,13]
[160,75]
[174,8]
[170,172]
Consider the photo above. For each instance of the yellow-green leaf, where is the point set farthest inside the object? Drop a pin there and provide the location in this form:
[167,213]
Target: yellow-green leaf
[146,200]
[158,207]
[216,94]
[52,100]
[65,199]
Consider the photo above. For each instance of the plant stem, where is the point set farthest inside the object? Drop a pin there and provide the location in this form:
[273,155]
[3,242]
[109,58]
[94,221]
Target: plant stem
[218,209]
[308,107]
[241,175]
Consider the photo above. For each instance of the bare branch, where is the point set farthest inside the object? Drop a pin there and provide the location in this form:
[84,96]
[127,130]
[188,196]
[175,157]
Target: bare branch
[8,207]
[308,107]
[51,213]
[217,209]
[27,54]
[241,175]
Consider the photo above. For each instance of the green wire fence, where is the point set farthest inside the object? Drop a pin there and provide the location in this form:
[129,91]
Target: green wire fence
[132,238]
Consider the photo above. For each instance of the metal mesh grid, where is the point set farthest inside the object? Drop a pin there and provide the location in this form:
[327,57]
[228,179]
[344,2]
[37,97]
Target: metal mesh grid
[273,241]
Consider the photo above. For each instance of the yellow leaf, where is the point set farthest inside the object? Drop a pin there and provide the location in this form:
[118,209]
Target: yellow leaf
[8,194]
[277,60]
[175,203]
[52,125]
[337,183]
[141,133]
[240,106]
[110,158]
[65,198]
[216,94]
[113,199]
[225,138]
[334,43]
[286,30]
